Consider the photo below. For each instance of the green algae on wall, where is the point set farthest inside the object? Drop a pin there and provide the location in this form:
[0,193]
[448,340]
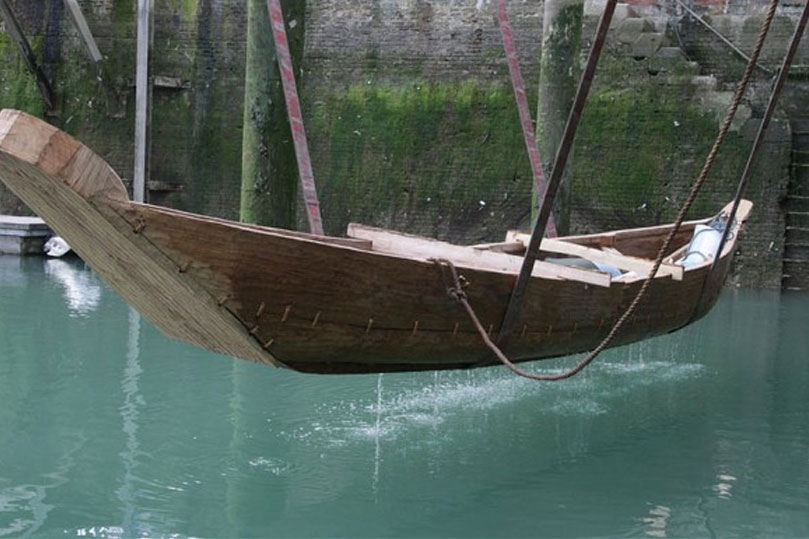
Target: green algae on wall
[440,159]
[641,144]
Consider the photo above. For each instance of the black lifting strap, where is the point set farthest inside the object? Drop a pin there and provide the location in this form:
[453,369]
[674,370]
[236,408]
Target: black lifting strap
[517,298]
[762,129]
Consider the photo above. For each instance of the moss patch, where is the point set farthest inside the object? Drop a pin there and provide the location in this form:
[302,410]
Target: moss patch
[445,160]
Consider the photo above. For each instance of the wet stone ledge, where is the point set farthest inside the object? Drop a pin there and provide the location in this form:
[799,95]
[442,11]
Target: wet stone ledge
[22,235]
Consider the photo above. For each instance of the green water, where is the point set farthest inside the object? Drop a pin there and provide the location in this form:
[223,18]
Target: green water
[109,429]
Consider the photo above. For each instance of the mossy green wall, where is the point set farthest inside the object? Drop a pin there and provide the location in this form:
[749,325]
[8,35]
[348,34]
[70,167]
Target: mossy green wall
[442,159]
[196,129]
[643,140]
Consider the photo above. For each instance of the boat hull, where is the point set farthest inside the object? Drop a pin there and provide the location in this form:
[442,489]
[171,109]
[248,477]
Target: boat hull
[310,303]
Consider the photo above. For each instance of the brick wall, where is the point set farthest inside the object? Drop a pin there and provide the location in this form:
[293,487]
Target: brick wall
[410,112]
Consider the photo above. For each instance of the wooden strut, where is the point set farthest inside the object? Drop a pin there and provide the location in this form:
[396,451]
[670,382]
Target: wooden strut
[293,103]
[84,30]
[143,101]
[532,251]
[522,106]
[13,28]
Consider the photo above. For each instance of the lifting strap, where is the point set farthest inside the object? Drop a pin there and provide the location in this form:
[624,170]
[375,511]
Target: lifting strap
[762,128]
[517,298]
[279,35]
[522,106]
[456,290]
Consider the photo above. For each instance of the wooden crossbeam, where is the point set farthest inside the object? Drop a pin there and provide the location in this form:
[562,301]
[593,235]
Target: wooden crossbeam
[397,243]
[620,261]
[84,30]
[14,29]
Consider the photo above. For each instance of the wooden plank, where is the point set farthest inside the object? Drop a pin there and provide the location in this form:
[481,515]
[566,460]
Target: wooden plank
[365,245]
[511,247]
[620,261]
[143,98]
[416,246]
[84,30]
[14,29]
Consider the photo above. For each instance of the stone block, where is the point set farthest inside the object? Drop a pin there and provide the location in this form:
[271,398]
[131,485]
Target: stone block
[674,53]
[631,29]
[22,235]
[647,44]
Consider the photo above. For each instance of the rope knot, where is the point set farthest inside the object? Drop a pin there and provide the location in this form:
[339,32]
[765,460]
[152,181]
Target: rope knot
[455,284]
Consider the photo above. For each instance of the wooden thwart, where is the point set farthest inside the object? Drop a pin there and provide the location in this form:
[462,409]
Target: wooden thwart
[622,262]
[398,243]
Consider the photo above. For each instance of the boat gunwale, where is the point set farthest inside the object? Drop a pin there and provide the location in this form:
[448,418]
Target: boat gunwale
[327,241]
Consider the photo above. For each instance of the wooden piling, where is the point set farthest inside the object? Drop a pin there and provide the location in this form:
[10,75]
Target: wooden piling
[269,193]
[559,73]
[143,101]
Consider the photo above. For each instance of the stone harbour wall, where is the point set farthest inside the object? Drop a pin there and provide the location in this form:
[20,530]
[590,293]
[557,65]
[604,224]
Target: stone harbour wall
[411,116]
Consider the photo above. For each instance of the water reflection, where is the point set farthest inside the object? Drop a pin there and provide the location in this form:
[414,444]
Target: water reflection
[697,433]
[82,289]
[129,415]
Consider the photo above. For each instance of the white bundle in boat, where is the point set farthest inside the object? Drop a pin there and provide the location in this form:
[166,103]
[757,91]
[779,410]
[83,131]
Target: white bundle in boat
[703,246]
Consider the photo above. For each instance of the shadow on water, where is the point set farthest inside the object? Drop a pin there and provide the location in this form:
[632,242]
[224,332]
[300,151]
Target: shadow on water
[111,428]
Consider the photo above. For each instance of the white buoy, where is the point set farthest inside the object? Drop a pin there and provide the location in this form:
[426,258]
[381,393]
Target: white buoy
[56,247]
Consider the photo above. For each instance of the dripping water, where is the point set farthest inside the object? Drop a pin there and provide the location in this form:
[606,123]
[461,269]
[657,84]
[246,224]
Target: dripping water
[377,431]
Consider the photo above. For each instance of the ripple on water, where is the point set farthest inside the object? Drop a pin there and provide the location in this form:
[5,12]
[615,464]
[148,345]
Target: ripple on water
[407,409]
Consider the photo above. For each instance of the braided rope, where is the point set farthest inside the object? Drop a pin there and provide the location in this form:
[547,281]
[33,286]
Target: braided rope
[457,292]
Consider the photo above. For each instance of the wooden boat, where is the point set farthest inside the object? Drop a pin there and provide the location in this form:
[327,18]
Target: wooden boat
[373,302]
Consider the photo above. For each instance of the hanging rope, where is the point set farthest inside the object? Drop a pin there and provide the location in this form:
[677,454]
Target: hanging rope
[762,128]
[457,292]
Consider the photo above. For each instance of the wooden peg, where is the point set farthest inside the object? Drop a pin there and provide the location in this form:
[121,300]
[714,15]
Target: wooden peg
[317,317]
[260,309]
[286,313]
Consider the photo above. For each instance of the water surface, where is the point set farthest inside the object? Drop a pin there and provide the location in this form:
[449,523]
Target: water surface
[108,428]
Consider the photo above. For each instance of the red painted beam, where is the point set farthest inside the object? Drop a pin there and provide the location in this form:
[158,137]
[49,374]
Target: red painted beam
[293,103]
[522,106]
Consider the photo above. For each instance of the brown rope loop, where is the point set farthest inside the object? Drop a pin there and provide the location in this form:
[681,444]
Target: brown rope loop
[456,290]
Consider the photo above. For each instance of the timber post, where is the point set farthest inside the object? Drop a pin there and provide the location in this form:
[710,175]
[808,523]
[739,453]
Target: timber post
[559,74]
[269,193]
[143,101]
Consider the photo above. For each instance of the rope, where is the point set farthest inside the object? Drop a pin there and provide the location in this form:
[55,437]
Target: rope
[762,128]
[457,290]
